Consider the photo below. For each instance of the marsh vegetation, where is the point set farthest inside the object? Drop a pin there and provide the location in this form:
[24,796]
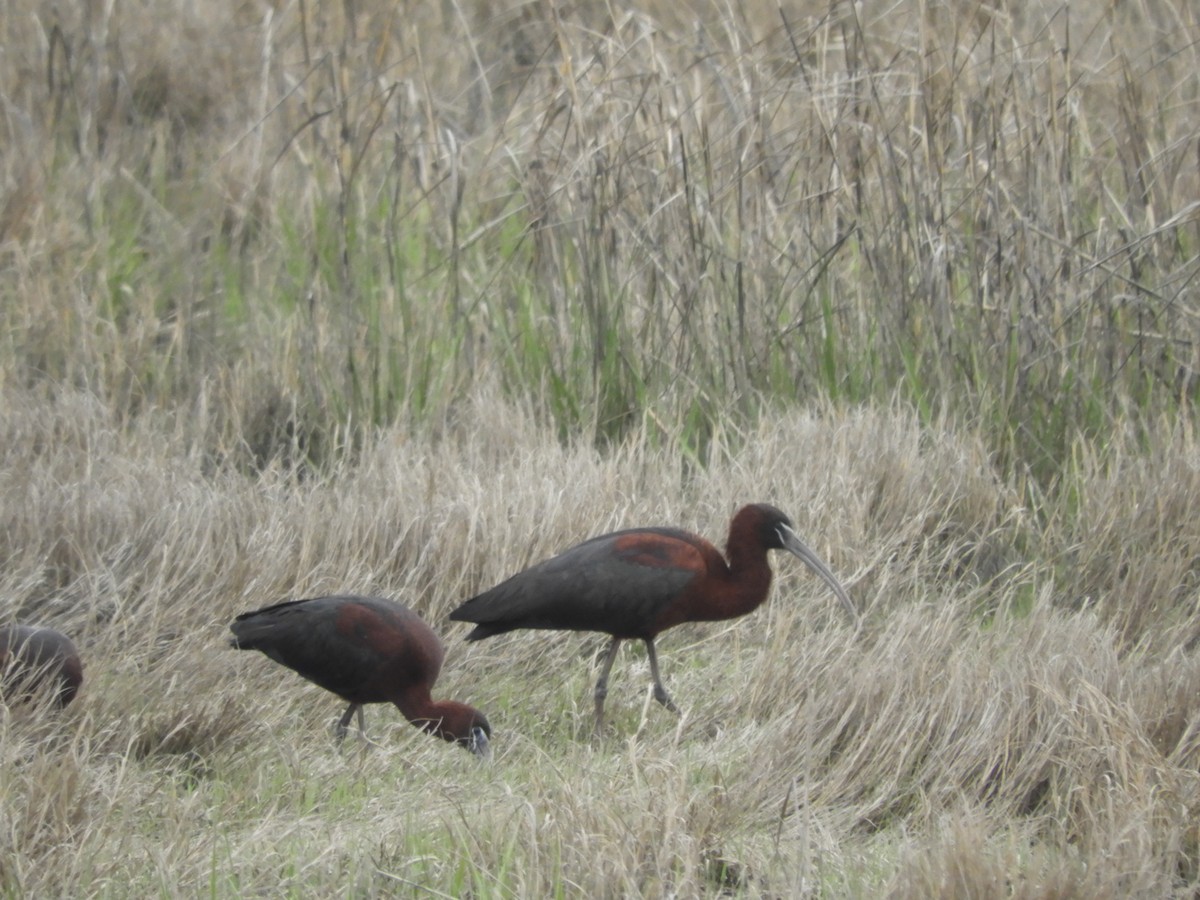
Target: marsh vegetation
[397,298]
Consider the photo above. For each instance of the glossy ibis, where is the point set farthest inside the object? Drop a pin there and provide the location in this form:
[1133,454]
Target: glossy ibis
[31,656]
[635,584]
[365,650]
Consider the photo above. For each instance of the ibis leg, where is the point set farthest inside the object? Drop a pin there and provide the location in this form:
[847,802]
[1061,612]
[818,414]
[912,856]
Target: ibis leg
[602,682]
[344,721]
[660,692]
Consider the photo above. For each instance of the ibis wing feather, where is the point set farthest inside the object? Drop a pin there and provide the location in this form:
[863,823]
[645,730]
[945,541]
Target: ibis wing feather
[617,583]
[334,643]
[30,655]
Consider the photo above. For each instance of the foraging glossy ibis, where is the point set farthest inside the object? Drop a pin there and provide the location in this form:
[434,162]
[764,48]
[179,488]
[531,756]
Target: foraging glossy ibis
[365,650]
[30,656]
[635,584]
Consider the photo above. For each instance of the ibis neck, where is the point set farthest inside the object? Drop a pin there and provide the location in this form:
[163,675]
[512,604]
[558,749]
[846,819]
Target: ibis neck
[442,718]
[749,579]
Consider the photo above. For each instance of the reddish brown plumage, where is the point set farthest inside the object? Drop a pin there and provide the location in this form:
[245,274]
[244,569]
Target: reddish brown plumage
[31,657]
[365,650]
[636,584]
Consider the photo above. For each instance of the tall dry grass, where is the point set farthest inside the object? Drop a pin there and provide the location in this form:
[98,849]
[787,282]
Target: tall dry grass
[396,298]
[278,213]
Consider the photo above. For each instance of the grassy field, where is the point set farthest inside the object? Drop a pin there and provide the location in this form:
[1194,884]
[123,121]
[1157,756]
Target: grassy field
[398,298]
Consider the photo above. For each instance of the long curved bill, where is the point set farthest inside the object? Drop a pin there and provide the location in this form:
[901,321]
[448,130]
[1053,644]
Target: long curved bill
[793,544]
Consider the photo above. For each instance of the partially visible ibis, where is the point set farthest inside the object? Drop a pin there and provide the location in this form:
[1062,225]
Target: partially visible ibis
[365,650]
[31,657]
[635,584]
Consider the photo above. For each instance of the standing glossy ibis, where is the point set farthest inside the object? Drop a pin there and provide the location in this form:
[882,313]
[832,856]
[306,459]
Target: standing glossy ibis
[365,650]
[635,584]
[31,656]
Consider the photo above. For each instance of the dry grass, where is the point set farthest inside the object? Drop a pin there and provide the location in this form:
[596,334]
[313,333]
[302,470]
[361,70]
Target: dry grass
[397,298]
[939,750]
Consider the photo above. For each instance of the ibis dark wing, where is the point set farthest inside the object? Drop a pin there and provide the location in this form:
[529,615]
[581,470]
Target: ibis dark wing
[331,641]
[618,583]
[32,655]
